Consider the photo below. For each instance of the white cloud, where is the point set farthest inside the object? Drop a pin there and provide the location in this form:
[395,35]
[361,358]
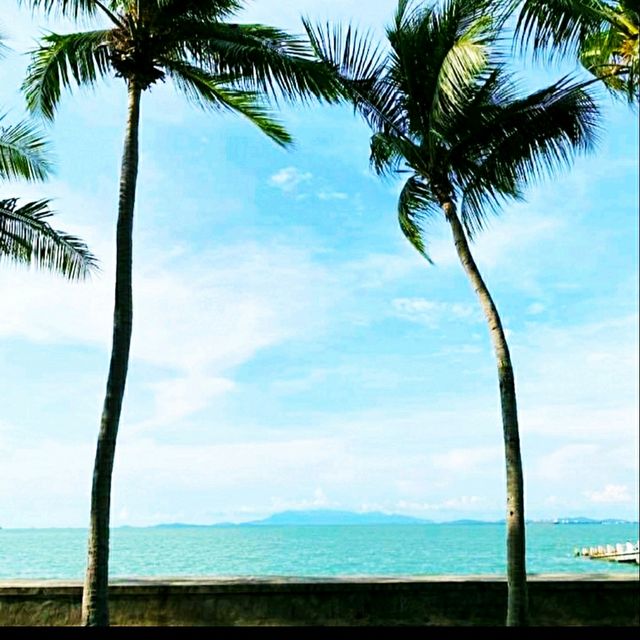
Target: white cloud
[208,312]
[502,242]
[535,308]
[319,500]
[469,460]
[289,178]
[379,269]
[332,195]
[579,380]
[574,465]
[612,493]
[178,398]
[431,312]
[459,503]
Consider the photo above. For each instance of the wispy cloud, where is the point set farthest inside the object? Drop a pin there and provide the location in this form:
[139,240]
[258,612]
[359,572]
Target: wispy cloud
[433,312]
[332,195]
[466,460]
[240,299]
[463,503]
[535,308]
[178,398]
[289,179]
[612,493]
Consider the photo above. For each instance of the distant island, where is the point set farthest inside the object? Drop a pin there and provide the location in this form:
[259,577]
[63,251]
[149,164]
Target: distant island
[318,517]
[333,517]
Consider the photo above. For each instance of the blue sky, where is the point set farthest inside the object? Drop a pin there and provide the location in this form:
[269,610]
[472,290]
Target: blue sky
[290,349]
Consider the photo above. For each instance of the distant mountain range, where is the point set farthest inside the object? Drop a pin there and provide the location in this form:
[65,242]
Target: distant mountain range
[332,517]
[318,517]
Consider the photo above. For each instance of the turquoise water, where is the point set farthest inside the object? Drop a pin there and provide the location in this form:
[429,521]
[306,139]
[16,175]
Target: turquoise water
[382,550]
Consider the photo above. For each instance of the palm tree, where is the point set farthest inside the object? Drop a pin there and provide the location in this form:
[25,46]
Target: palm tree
[444,109]
[603,34]
[25,235]
[217,64]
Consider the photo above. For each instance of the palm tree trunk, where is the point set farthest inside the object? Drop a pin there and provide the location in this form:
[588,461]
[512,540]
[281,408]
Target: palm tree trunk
[517,606]
[95,605]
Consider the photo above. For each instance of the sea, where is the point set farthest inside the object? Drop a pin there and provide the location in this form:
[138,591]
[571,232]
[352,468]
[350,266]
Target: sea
[311,550]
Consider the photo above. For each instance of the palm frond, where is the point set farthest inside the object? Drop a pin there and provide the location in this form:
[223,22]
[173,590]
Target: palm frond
[26,237]
[519,142]
[63,60]
[356,57]
[22,152]
[361,66]
[209,10]
[437,53]
[389,152]
[209,92]
[258,57]
[465,61]
[551,27]
[385,157]
[416,205]
[484,193]
[615,61]
[70,8]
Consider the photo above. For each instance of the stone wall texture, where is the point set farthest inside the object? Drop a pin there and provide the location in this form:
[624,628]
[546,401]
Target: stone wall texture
[593,600]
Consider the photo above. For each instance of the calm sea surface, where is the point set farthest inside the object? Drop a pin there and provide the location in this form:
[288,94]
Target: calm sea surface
[363,550]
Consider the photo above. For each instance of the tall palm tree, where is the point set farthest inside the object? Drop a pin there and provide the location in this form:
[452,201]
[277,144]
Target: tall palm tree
[25,235]
[444,109]
[603,34]
[217,64]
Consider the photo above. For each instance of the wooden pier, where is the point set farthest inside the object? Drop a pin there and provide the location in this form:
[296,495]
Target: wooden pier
[621,552]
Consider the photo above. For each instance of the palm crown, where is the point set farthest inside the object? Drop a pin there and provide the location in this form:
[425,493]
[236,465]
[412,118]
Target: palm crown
[444,108]
[604,34]
[216,63]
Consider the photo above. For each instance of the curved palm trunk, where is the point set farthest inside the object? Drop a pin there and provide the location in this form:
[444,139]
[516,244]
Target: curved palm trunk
[95,606]
[517,607]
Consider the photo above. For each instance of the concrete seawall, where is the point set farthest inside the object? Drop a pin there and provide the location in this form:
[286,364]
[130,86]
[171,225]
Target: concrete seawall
[555,600]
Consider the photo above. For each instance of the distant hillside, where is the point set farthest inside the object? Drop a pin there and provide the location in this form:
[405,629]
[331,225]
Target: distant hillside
[331,517]
[336,517]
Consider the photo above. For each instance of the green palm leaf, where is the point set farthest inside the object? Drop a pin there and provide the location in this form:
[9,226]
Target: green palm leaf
[22,152]
[63,60]
[416,206]
[559,26]
[602,34]
[515,142]
[27,237]
[207,10]
[79,9]
[257,57]
[209,92]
